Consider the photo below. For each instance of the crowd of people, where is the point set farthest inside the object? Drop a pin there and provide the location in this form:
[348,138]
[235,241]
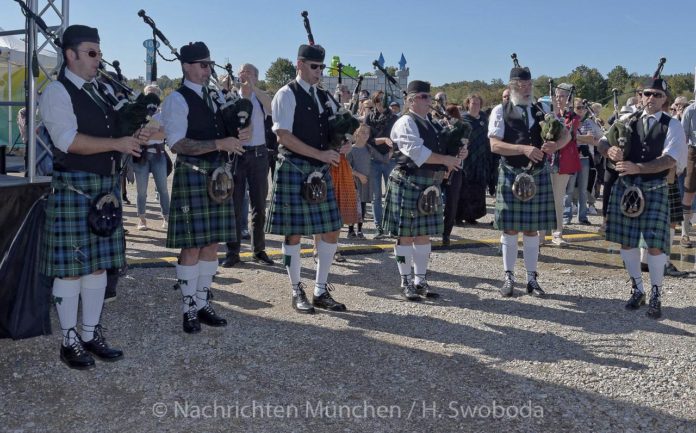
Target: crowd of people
[417,185]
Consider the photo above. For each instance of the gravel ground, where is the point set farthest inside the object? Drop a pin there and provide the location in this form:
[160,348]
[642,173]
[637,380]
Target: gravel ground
[469,361]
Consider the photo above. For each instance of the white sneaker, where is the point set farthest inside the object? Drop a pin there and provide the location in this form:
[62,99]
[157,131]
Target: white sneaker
[142,224]
[558,241]
[165,224]
[591,210]
[575,209]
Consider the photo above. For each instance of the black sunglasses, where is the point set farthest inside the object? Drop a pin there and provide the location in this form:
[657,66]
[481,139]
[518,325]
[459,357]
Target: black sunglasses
[91,53]
[317,65]
[204,63]
[655,95]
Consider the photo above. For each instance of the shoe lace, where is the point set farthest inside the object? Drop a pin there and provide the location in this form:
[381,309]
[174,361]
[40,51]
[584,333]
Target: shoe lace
[76,345]
[655,296]
[509,277]
[301,290]
[191,314]
[635,293]
[99,335]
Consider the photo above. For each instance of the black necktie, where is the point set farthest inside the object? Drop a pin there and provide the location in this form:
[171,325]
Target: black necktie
[314,99]
[207,100]
[89,88]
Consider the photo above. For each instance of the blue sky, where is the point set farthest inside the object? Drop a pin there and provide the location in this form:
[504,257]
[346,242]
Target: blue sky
[443,41]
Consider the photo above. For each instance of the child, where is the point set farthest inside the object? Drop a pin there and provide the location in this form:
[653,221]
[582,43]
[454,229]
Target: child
[359,158]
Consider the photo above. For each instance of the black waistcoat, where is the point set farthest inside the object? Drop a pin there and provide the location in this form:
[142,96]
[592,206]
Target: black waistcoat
[645,149]
[518,132]
[92,121]
[308,125]
[428,132]
[203,124]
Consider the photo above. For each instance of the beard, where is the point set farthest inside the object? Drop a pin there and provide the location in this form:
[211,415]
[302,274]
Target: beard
[518,98]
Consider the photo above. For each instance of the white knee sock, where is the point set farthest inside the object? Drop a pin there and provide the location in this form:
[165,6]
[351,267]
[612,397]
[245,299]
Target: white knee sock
[631,258]
[92,291]
[325,255]
[671,239]
[206,271]
[187,277]
[421,256]
[66,295]
[291,260]
[656,266]
[531,255]
[509,249]
[404,260]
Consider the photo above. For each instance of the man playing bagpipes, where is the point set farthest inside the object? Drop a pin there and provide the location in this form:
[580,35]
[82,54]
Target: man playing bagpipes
[644,146]
[303,201]
[83,232]
[524,196]
[201,213]
[414,210]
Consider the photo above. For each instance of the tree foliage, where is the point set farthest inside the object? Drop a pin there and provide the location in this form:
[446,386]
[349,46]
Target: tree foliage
[280,73]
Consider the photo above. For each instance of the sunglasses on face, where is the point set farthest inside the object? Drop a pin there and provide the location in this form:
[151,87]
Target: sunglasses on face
[655,95]
[92,53]
[423,96]
[203,63]
[314,66]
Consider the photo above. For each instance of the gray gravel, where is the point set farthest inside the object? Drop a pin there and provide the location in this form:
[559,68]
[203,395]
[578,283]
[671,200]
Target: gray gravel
[574,362]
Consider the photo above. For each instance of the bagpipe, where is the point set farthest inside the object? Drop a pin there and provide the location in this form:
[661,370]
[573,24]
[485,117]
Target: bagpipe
[454,134]
[342,123]
[235,110]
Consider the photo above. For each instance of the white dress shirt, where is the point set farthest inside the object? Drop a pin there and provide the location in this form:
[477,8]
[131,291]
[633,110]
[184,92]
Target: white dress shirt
[406,136]
[284,105]
[175,113]
[496,123]
[258,130]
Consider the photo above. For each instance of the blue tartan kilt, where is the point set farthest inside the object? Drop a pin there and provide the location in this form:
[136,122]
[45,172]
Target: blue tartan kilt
[401,216]
[513,214]
[652,224]
[289,213]
[676,214]
[195,220]
[70,249]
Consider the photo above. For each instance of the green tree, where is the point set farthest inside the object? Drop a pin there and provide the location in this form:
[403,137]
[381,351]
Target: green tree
[589,83]
[280,73]
[618,78]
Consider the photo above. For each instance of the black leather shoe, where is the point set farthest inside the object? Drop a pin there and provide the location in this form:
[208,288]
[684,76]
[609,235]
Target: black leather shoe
[445,240]
[326,302]
[644,267]
[74,356]
[637,299]
[262,257]
[423,289]
[231,260]
[655,305]
[98,347]
[207,316]
[508,285]
[191,323]
[672,271]
[534,289]
[300,302]
[409,292]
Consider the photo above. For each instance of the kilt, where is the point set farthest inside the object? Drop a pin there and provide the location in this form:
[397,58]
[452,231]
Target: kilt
[195,220]
[70,249]
[289,213]
[401,216]
[676,214]
[536,214]
[652,224]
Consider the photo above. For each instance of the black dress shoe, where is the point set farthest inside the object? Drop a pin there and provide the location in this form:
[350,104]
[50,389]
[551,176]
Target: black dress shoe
[409,292]
[231,260]
[508,286]
[300,302]
[262,257]
[74,356]
[326,302]
[672,271]
[655,304]
[191,323]
[534,289]
[445,240]
[423,289]
[637,299]
[207,316]
[98,347]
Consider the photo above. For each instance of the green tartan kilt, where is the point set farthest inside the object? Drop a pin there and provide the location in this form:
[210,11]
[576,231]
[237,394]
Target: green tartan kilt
[676,214]
[513,214]
[195,220]
[401,216]
[652,224]
[289,213]
[70,249]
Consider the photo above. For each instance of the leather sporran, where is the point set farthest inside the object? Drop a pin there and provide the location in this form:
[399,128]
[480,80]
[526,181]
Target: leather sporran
[221,184]
[105,214]
[314,189]
[524,187]
[632,202]
[429,200]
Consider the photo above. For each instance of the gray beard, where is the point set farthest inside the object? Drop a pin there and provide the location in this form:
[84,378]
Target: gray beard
[519,99]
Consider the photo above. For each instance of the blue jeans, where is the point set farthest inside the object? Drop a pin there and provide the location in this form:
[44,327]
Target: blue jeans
[379,171]
[157,165]
[580,178]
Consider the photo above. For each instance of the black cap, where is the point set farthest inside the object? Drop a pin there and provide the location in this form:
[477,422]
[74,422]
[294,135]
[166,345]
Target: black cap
[312,53]
[77,33]
[520,74]
[417,86]
[193,51]
[658,84]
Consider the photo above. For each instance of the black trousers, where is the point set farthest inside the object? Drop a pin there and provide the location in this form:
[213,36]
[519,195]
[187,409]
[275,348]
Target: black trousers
[252,169]
[452,189]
